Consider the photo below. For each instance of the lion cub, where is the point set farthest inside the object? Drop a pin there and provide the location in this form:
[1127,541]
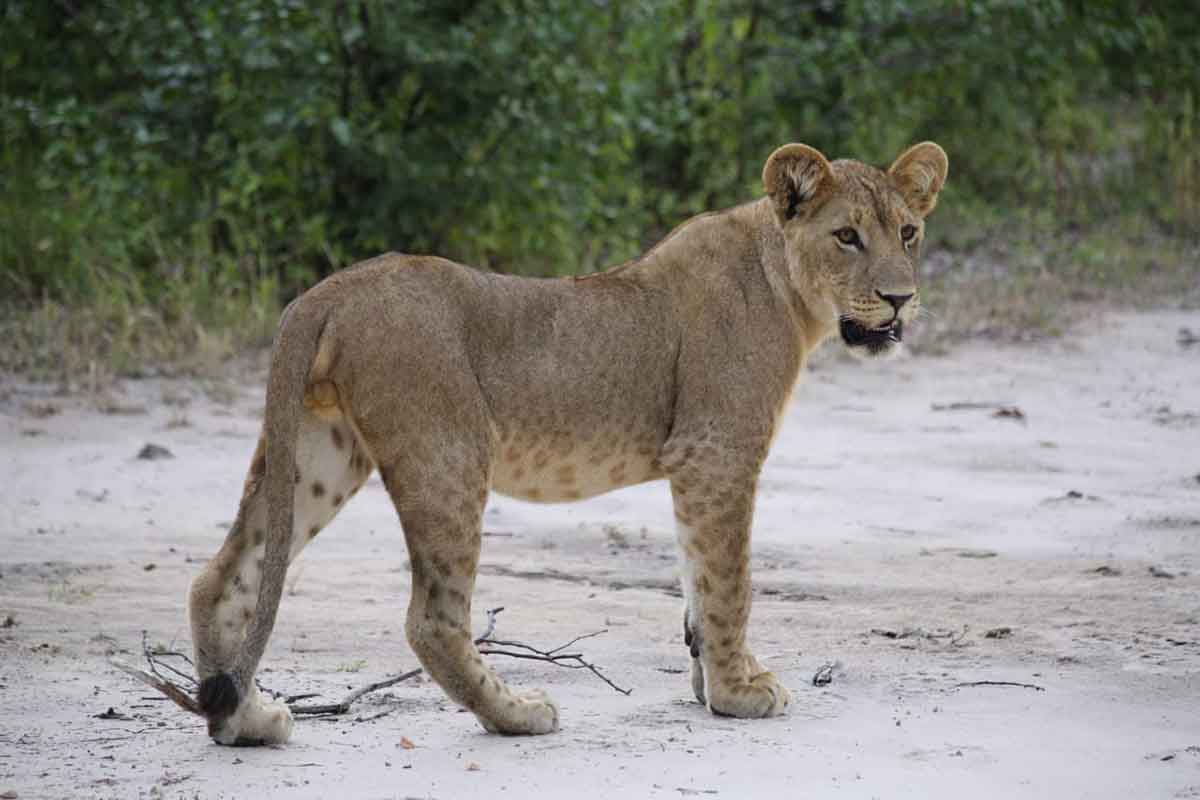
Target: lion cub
[455,383]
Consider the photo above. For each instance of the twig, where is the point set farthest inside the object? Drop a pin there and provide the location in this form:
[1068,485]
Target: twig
[180,697]
[968,406]
[378,714]
[491,625]
[952,638]
[344,706]
[292,698]
[1033,686]
[553,656]
[335,709]
[578,639]
[183,698]
[154,658]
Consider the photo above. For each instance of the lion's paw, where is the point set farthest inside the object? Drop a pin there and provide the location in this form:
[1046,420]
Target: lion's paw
[761,696]
[257,723]
[528,713]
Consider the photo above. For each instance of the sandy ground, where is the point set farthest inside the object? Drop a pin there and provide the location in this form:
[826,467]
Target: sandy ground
[917,547]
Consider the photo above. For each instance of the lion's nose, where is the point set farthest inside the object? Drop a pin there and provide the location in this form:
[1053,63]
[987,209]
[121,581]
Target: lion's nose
[895,300]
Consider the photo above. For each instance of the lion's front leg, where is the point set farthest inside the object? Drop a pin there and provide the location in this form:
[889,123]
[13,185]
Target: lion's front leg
[713,518]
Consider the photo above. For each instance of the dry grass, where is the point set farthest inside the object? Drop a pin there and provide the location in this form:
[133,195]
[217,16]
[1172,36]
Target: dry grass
[1039,288]
[992,279]
[83,346]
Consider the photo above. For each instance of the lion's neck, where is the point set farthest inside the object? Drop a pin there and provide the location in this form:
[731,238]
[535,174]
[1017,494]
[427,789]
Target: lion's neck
[742,239]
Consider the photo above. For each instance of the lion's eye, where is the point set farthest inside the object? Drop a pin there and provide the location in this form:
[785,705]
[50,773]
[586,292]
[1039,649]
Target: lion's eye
[848,237]
[907,232]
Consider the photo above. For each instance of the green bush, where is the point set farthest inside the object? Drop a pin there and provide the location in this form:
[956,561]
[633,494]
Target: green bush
[210,148]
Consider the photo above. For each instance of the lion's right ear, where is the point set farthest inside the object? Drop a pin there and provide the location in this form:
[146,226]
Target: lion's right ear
[792,176]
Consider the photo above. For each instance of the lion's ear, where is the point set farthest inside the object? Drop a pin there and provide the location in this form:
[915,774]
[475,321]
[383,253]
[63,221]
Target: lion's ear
[792,176]
[919,173]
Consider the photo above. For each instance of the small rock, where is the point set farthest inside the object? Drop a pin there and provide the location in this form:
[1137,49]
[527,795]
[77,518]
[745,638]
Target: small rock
[1009,412]
[1073,494]
[1106,571]
[1159,572]
[150,567]
[967,552]
[9,622]
[823,676]
[1003,632]
[154,452]
[112,713]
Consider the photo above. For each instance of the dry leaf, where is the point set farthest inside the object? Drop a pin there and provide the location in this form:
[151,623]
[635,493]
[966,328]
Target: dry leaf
[407,743]
[473,767]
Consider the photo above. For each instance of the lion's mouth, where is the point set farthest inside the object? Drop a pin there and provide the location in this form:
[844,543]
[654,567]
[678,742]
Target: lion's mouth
[874,340]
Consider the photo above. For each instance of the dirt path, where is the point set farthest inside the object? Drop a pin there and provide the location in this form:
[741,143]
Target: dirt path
[917,548]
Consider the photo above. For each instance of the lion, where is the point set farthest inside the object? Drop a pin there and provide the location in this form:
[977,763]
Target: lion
[454,383]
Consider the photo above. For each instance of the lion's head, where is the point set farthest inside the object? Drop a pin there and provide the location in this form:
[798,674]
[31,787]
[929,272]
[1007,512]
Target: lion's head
[853,235]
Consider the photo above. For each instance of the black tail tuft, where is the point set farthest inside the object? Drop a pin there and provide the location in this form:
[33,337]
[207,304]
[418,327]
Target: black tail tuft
[218,696]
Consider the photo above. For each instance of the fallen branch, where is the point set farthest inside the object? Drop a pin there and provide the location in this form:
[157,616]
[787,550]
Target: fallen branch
[951,638]
[554,656]
[183,698]
[334,709]
[179,696]
[154,657]
[969,406]
[1033,686]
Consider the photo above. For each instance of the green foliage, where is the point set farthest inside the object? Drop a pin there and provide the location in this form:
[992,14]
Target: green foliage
[207,149]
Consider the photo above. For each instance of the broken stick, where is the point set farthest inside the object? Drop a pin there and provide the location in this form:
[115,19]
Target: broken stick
[500,647]
[1033,686]
[180,697]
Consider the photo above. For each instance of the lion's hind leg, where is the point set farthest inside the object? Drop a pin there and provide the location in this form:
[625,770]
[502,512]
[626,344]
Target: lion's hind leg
[442,527]
[331,466]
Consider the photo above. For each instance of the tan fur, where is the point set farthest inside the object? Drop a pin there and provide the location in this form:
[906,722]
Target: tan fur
[456,383]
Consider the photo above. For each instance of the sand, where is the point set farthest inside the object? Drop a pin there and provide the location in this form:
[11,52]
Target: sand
[915,544]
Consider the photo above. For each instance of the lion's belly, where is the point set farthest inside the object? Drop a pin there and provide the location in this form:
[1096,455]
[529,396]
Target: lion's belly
[560,467]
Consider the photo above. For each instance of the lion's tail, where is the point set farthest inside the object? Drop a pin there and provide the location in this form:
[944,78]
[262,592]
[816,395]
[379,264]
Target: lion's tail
[292,357]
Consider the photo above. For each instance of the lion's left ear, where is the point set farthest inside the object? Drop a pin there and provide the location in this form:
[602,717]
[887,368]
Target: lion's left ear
[919,173]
